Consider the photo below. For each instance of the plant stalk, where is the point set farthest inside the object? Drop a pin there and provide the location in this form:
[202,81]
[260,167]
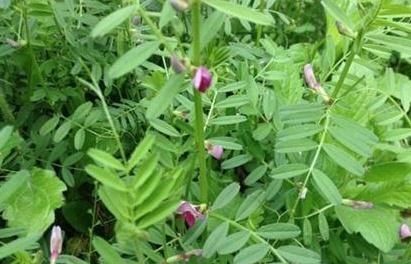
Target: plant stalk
[199,122]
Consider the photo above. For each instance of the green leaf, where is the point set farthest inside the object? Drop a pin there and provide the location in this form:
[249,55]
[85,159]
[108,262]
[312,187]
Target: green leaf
[326,187]
[262,131]
[105,159]
[145,170]
[228,120]
[159,214]
[233,242]
[167,14]
[140,151]
[288,171]
[215,239]
[165,97]
[232,101]
[106,177]
[5,134]
[68,259]
[226,142]
[390,171]
[164,127]
[132,59]
[62,131]
[13,183]
[79,138]
[392,193]
[17,245]
[350,141]
[250,204]
[236,161]
[82,111]
[337,13]
[399,44]
[255,175]
[299,255]
[378,226]
[323,227]
[111,21]
[36,201]
[295,145]
[307,232]
[210,28]
[50,125]
[116,202]
[106,251]
[251,254]
[226,196]
[298,132]
[344,159]
[279,231]
[397,134]
[241,12]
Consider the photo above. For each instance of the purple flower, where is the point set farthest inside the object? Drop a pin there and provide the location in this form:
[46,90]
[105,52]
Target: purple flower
[177,64]
[202,79]
[56,243]
[216,151]
[405,231]
[180,5]
[190,213]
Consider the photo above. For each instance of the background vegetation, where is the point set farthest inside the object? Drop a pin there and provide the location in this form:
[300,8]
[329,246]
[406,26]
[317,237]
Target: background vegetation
[101,137]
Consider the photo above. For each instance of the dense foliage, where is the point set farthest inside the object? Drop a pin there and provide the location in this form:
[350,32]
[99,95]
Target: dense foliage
[289,145]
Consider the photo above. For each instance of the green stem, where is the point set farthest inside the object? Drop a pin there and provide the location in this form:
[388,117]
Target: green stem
[199,121]
[344,73]
[253,234]
[259,27]
[155,30]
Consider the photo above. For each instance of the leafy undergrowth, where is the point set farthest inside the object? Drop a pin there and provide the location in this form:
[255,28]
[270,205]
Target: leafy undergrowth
[206,131]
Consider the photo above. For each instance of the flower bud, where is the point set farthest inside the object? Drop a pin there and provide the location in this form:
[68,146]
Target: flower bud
[56,243]
[303,193]
[185,256]
[311,81]
[358,204]
[180,5]
[345,31]
[177,64]
[405,231]
[136,20]
[202,79]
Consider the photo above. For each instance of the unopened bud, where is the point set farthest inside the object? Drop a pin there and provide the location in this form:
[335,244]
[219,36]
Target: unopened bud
[136,20]
[185,256]
[358,204]
[344,30]
[202,79]
[15,44]
[56,243]
[216,151]
[180,5]
[405,231]
[311,81]
[177,64]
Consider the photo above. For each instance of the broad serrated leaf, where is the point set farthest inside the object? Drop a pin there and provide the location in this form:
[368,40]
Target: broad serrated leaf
[250,204]
[377,225]
[106,251]
[13,183]
[251,254]
[241,12]
[279,231]
[215,239]
[326,187]
[344,159]
[105,159]
[289,170]
[112,21]
[132,59]
[226,196]
[299,255]
[233,242]
[106,177]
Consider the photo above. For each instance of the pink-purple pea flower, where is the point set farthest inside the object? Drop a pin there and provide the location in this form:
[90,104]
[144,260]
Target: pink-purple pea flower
[216,151]
[190,213]
[56,243]
[405,231]
[202,79]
